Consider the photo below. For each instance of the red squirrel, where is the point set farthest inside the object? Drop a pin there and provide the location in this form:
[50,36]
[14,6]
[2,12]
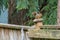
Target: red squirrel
[37,15]
[38,21]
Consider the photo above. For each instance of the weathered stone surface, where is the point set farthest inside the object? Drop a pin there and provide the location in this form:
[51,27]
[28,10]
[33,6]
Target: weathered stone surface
[52,34]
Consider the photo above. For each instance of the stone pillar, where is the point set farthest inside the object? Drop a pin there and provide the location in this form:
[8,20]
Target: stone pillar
[58,13]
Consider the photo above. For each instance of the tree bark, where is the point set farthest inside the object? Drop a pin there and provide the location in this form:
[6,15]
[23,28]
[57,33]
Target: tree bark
[13,16]
[58,13]
[11,11]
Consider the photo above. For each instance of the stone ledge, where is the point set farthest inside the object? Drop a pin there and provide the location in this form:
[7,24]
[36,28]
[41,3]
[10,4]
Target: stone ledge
[51,34]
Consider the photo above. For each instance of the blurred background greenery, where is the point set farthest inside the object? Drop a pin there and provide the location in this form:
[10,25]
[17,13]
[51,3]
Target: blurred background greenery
[24,8]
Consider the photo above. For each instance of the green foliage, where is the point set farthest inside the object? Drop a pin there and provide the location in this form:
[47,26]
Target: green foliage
[3,3]
[31,5]
[49,11]
[29,23]
[50,14]
[22,4]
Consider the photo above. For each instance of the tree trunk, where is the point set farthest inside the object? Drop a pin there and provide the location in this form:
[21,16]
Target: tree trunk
[11,11]
[20,16]
[13,16]
[58,13]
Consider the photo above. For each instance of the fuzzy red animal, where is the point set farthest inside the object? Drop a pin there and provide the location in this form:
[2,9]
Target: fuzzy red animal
[37,15]
[37,19]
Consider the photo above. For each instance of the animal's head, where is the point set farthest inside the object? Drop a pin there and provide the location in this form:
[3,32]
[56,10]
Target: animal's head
[37,15]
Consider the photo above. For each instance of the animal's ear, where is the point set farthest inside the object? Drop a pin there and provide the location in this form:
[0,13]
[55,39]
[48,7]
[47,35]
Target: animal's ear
[40,13]
[34,13]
